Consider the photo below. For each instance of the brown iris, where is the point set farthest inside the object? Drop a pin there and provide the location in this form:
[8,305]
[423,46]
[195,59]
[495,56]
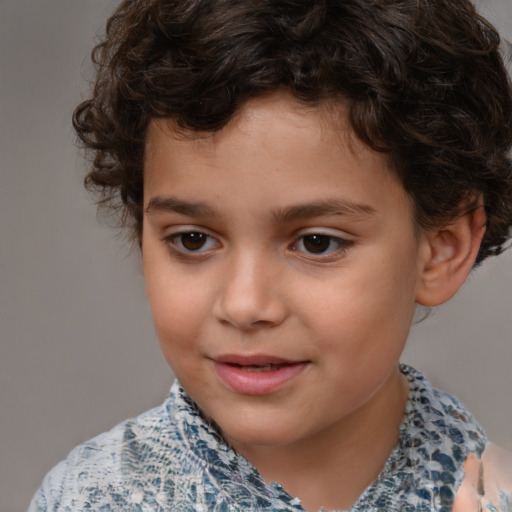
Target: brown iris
[317,244]
[193,241]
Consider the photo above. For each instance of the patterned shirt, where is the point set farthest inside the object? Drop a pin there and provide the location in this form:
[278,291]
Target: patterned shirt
[171,459]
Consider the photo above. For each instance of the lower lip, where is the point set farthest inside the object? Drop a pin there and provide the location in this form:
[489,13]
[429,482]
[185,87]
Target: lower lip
[250,382]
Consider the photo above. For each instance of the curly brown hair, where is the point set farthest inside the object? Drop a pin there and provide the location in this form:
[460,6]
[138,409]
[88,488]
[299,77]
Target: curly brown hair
[424,79]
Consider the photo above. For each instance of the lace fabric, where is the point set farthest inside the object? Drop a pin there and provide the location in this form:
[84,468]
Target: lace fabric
[171,458]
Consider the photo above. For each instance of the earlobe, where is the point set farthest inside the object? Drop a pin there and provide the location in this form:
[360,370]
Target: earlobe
[449,255]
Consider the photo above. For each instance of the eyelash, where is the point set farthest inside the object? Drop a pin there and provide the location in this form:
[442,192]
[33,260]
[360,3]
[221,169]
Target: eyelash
[319,239]
[175,242]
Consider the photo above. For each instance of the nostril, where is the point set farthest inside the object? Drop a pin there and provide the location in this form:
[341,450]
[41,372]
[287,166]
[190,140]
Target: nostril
[250,317]
[246,325]
[248,299]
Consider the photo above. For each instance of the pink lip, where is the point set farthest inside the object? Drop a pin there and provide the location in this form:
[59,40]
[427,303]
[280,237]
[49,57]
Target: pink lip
[258,374]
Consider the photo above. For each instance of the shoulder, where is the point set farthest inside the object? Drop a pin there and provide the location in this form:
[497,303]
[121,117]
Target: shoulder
[108,469]
[441,418]
[426,468]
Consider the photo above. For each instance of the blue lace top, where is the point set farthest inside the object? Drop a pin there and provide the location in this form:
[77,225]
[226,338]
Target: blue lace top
[171,459]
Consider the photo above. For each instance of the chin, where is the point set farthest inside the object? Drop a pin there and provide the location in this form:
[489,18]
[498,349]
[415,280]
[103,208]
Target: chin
[264,435]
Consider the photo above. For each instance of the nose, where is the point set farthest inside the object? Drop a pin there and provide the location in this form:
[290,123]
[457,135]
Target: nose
[250,294]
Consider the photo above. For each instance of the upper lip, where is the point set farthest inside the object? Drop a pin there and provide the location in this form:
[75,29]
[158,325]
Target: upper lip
[253,360]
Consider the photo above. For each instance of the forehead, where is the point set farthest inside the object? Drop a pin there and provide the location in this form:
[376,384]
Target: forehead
[257,119]
[274,149]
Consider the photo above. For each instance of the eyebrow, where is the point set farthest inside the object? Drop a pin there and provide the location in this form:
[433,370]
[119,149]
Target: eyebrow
[171,204]
[287,214]
[322,209]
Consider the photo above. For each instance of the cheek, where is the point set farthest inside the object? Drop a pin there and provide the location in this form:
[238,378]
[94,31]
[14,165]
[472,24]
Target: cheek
[177,321]
[176,314]
[178,303]
[364,312]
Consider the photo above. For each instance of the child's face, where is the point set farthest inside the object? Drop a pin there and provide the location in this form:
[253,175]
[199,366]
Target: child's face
[281,265]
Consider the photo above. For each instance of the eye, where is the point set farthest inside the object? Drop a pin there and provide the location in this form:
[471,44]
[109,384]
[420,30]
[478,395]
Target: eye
[317,244]
[191,241]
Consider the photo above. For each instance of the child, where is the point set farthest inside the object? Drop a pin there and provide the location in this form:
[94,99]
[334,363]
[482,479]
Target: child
[299,176]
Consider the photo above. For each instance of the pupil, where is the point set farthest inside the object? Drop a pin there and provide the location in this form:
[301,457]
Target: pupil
[317,243]
[193,241]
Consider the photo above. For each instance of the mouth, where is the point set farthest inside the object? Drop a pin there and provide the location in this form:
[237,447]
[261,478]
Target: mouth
[257,375]
[259,368]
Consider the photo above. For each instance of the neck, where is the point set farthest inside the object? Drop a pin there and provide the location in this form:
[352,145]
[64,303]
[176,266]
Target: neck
[333,467]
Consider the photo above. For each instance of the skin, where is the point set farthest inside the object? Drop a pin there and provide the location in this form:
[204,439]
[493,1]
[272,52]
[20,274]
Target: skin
[255,288]
[487,481]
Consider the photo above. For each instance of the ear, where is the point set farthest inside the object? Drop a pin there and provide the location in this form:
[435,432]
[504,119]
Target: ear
[449,253]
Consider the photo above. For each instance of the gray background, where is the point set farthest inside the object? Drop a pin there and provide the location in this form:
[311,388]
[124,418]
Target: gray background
[78,353]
